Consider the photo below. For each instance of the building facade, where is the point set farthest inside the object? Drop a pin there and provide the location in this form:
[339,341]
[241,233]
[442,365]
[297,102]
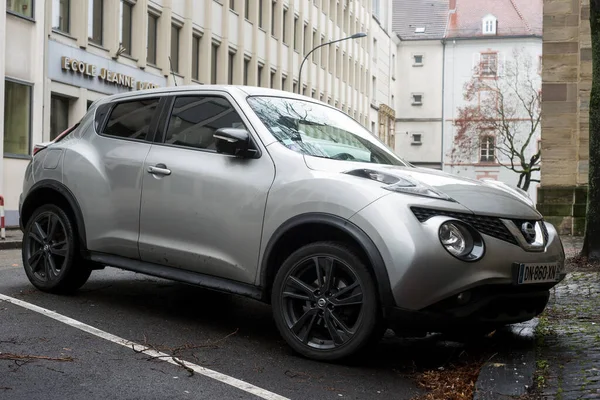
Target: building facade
[567,82]
[420,28]
[488,41]
[61,55]
[22,85]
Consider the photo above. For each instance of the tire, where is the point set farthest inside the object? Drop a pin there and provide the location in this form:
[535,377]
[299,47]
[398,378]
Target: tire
[51,257]
[321,317]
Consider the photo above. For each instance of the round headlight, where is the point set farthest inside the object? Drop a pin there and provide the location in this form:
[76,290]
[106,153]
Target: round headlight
[461,241]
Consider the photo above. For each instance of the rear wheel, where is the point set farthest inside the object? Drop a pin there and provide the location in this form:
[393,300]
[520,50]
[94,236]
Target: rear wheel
[50,252]
[325,302]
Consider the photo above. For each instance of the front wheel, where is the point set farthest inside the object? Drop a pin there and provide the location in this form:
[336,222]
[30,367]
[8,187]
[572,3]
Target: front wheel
[50,254]
[325,302]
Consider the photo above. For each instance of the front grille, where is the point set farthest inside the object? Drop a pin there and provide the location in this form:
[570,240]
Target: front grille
[519,222]
[491,226]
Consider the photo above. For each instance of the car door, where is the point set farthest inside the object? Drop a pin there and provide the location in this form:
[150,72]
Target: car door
[202,210]
[105,174]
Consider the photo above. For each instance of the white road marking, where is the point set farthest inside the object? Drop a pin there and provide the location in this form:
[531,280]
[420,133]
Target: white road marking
[226,379]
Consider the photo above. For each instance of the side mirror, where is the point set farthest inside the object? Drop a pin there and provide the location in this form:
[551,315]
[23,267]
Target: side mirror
[233,141]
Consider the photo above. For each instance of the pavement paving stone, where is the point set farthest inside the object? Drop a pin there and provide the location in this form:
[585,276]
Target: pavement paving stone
[568,356]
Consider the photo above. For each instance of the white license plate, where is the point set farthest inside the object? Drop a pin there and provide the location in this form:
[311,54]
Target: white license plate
[538,273]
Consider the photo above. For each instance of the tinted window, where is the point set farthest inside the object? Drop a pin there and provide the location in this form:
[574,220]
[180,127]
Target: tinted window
[131,119]
[195,119]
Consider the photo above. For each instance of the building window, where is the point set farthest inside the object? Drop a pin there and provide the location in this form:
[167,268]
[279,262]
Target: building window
[374,50]
[260,13]
[95,21]
[196,57]
[295,33]
[126,25]
[373,90]
[417,99]
[89,104]
[232,5]
[60,15]
[247,10]
[283,81]
[273,7]
[416,139]
[131,119]
[246,70]
[59,115]
[284,28]
[175,30]
[21,7]
[295,87]
[489,64]
[323,51]
[272,80]
[215,64]
[260,74]
[376,8]
[152,38]
[231,66]
[17,118]
[487,151]
[417,60]
[306,39]
[314,43]
[489,25]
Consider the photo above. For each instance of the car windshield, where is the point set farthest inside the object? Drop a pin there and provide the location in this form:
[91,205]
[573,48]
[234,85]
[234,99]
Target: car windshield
[321,131]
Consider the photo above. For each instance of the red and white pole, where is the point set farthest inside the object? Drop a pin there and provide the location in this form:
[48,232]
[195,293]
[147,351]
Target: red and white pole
[2,227]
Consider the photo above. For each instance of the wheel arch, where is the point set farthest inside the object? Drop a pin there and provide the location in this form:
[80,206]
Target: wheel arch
[49,191]
[291,235]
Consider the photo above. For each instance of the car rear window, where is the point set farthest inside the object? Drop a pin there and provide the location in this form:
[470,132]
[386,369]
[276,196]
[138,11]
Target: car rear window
[131,119]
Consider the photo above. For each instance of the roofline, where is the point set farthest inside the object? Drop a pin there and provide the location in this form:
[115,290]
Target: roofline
[493,37]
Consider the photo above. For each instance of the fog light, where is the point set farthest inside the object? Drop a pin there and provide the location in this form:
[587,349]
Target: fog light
[461,240]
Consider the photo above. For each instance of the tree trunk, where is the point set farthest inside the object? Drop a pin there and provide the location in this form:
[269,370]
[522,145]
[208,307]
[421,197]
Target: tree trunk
[591,242]
[527,182]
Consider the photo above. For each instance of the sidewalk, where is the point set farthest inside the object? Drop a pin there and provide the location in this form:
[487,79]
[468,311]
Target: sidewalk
[13,240]
[568,335]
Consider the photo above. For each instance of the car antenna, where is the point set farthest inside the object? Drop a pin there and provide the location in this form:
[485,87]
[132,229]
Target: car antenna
[172,73]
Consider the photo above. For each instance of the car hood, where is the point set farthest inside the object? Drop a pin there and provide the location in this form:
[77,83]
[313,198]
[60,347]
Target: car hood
[481,197]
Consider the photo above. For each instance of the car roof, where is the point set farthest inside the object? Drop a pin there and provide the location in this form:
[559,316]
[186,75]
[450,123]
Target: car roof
[248,90]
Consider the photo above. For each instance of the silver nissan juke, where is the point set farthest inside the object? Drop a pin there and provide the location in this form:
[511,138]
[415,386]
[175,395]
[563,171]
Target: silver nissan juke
[287,200]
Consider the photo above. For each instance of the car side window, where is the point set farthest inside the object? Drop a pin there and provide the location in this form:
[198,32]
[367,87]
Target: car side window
[195,119]
[132,119]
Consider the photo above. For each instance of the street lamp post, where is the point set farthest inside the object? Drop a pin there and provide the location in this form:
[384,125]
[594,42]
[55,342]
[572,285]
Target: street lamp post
[355,36]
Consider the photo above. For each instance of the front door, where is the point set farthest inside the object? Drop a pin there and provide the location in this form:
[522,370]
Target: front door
[201,210]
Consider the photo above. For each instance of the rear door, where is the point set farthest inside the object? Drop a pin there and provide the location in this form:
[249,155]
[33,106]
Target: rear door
[107,175]
[201,210]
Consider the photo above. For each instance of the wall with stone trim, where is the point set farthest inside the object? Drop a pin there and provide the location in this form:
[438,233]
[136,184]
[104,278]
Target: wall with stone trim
[566,77]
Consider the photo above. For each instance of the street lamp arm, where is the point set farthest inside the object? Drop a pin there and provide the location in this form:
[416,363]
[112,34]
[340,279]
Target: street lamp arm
[355,36]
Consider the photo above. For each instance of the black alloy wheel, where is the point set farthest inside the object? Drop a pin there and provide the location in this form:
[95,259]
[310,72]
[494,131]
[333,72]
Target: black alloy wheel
[324,301]
[49,252]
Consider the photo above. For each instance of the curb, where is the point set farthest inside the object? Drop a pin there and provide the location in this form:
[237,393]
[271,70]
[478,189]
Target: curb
[511,373]
[10,244]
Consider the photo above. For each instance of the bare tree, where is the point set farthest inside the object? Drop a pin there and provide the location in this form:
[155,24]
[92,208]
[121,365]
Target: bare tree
[591,241]
[501,120]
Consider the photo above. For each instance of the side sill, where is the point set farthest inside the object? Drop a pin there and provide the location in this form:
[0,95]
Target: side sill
[179,275]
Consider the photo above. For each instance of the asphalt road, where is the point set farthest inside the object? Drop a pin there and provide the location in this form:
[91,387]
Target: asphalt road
[228,334]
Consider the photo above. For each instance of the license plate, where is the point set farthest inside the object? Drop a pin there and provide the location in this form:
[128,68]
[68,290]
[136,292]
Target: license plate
[538,273]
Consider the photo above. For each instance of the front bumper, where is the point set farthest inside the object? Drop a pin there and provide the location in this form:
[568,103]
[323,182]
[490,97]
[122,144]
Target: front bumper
[425,279]
[488,305]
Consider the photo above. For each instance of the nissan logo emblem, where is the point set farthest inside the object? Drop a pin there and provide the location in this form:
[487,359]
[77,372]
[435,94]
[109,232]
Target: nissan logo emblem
[528,231]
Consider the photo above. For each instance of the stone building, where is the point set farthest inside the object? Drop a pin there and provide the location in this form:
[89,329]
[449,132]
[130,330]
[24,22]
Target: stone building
[567,80]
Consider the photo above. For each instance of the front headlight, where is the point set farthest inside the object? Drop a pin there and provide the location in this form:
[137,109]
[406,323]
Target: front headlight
[462,241]
[400,185]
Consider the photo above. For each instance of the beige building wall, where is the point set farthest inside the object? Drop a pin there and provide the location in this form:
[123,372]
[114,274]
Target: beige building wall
[566,76]
[255,42]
